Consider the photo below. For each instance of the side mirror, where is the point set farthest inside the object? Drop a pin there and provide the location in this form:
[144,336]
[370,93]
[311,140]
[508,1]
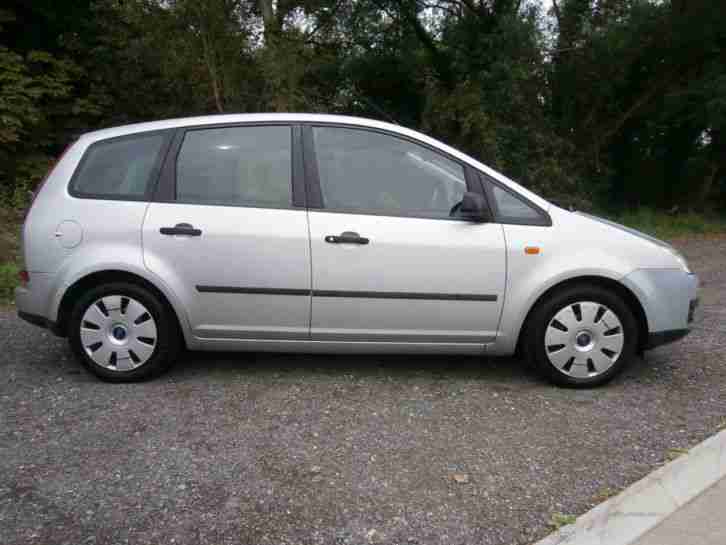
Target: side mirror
[474,207]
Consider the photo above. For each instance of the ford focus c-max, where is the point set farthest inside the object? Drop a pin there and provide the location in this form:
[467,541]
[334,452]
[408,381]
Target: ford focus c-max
[333,234]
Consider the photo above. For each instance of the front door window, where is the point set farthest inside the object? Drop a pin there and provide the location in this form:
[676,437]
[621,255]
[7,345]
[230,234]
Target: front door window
[370,172]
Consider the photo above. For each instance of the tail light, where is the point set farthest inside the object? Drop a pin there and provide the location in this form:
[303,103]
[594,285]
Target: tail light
[24,277]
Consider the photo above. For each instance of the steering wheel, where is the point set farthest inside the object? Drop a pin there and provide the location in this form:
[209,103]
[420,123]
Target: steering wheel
[438,199]
[455,208]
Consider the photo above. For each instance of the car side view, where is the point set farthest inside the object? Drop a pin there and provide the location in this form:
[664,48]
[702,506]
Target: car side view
[318,233]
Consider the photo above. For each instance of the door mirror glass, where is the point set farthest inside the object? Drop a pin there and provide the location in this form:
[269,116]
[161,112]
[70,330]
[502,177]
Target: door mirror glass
[474,207]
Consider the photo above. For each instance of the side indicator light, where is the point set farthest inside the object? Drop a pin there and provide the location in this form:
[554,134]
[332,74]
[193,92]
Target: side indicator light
[531,250]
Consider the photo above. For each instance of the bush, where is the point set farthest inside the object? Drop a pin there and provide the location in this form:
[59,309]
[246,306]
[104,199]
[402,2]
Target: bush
[28,173]
[666,225]
[8,281]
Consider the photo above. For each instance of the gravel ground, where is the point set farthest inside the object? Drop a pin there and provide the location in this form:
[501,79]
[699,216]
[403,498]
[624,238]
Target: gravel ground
[272,449]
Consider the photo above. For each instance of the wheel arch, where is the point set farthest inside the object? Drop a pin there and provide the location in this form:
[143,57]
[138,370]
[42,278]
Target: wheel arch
[98,278]
[619,288]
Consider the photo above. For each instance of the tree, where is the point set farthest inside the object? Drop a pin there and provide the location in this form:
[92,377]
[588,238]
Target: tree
[43,98]
[600,101]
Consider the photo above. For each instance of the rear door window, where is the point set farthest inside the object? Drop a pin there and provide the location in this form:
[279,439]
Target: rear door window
[119,168]
[236,166]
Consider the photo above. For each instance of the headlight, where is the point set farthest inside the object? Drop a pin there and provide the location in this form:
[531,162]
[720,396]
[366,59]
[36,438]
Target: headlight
[681,260]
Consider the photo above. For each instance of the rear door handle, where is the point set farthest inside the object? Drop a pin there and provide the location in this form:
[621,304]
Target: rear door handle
[181,229]
[348,237]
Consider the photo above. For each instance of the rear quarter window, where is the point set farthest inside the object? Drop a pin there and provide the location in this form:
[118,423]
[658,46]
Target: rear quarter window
[120,168]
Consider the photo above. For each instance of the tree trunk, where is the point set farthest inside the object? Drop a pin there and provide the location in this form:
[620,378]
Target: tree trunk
[717,162]
[215,90]
[201,13]
[269,19]
[706,187]
[210,61]
[275,80]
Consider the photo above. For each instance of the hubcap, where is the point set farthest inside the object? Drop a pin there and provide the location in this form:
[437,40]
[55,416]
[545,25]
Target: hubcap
[584,339]
[118,333]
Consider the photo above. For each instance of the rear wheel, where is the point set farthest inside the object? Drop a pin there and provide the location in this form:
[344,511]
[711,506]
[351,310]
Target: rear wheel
[123,332]
[581,336]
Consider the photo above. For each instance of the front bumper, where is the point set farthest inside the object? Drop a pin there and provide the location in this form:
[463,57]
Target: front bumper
[672,335]
[669,298]
[665,337]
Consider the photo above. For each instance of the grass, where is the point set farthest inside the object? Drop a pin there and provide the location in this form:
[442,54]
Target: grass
[10,221]
[8,281]
[558,520]
[605,494]
[673,453]
[668,226]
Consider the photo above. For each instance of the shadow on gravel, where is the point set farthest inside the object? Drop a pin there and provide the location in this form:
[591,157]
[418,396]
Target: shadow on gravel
[503,372]
[260,365]
[393,367]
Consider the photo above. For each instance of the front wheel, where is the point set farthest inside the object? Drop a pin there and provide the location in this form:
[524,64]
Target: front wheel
[122,332]
[581,336]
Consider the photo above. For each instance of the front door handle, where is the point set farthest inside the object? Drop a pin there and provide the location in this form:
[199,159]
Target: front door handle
[181,229]
[348,237]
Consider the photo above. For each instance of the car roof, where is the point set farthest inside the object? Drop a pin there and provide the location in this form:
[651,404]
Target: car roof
[222,119]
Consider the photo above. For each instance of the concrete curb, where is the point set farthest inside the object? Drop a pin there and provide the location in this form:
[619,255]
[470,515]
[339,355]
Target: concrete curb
[640,507]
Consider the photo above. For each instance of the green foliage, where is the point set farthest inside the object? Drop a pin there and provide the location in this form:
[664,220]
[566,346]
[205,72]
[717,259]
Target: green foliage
[29,170]
[462,112]
[673,453]
[8,281]
[609,103]
[668,226]
[43,98]
[26,85]
[634,82]
[558,520]
[31,86]
[604,494]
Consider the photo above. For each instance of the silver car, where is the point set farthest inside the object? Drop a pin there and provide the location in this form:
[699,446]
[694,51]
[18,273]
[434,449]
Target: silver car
[317,233]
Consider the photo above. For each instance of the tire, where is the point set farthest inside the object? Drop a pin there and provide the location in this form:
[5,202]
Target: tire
[581,336]
[130,336]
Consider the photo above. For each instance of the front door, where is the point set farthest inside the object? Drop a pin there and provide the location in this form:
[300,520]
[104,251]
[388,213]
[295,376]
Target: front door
[391,259]
[230,242]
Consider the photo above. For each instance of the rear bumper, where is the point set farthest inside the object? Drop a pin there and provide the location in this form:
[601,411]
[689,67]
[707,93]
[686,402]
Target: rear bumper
[32,301]
[40,321]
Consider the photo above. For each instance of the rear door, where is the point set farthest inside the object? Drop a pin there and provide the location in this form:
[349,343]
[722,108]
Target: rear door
[230,235]
[392,261]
